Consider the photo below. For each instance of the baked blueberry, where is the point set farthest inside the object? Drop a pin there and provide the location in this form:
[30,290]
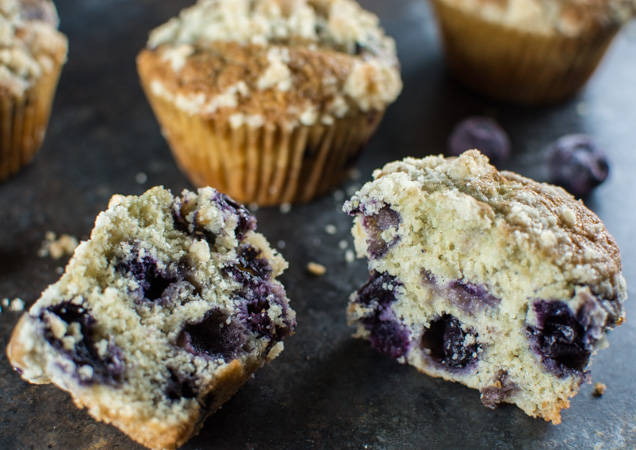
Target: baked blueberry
[481,133]
[169,307]
[491,279]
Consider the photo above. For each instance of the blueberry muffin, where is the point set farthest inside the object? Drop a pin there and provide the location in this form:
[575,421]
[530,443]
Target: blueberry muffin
[269,101]
[161,316]
[32,53]
[486,278]
[531,51]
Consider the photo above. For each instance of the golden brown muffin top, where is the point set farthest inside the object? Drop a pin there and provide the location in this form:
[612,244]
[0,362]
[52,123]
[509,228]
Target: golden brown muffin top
[567,17]
[30,44]
[254,61]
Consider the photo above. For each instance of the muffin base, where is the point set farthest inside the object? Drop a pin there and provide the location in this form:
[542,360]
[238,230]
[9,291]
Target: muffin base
[516,66]
[24,120]
[266,165]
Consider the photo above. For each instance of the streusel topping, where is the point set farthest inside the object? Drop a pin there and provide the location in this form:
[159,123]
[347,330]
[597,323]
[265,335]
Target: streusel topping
[306,61]
[30,44]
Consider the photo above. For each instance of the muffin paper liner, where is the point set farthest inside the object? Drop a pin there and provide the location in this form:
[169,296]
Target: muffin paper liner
[266,165]
[23,122]
[517,66]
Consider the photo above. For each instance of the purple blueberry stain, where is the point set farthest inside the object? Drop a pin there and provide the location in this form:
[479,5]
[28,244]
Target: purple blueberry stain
[471,297]
[481,133]
[501,389]
[577,163]
[108,365]
[560,338]
[375,225]
[180,385]
[445,343]
[245,221]
[387,333]
[215,335]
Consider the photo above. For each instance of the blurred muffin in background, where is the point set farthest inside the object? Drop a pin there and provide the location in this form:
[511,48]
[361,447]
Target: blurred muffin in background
[269,101]
[528,51]
[32,53]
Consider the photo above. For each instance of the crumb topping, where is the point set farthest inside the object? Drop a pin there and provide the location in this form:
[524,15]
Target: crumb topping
[567,17]
[30,44]
[300,61]
[540,218]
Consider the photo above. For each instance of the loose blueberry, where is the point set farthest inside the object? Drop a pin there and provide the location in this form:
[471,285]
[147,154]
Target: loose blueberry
[559,338]
[213,336]
[375,224]
[499,391]
[180,385]
[481,133]
[445,343]
[108,368]
[576,163]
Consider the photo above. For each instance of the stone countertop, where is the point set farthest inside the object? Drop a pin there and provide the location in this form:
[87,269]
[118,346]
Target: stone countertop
[326,390]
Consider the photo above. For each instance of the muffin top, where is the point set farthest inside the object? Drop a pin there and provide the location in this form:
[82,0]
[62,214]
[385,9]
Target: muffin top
[258,61]
[30,44]
[543,220]
[566,17]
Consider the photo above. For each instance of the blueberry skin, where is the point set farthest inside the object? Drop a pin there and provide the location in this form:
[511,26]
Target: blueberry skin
[444,341]
[576,163]
[387,334]
[560,338]
[481,133]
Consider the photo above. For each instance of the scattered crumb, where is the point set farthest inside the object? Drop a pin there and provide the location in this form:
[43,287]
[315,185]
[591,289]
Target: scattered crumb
[331,229]
[343,244]
[338,195]
[316,269]
[285,208]
[582,109]
[281,244]
[253,207]
[17,304]
[57,247]
[59,270]
[599,389]
[350,256]
[354,174]
[141,178]
[352,189]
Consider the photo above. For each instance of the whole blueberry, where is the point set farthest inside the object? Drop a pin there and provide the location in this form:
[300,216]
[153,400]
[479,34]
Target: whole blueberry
[577,164]
[481,133]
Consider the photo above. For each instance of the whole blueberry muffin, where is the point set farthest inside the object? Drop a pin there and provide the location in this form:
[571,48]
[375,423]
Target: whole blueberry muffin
[269,101]
[161,316]
[32,53]
[486,278]
[530,51]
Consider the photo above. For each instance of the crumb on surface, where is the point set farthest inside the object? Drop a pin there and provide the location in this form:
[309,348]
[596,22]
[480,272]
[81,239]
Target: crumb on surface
[350,256]
[599,389]
[281,244]
[16,305]
[316,269]
[141,178]
[56,247]
[343,244]
[285,208]
[331,229]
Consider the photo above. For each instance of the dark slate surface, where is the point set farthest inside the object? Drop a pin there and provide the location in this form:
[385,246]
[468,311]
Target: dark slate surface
[326,390]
